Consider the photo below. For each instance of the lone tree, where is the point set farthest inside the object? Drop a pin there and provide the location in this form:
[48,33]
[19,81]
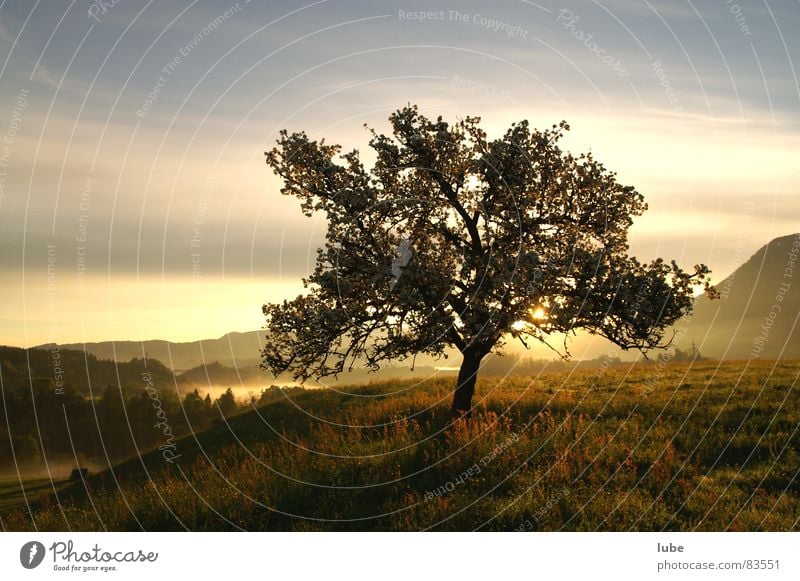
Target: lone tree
[452,240]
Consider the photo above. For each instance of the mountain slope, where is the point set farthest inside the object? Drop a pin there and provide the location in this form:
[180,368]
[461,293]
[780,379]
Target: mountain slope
[757,313]
[233,349]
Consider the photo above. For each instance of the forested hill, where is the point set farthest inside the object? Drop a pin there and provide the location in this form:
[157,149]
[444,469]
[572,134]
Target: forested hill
[58,368]
[233,349]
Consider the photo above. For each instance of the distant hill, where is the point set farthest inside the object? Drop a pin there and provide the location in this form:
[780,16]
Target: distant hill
[763,293]
[757,314]
[233,349]
[216,373]
[86,372]
[232,359]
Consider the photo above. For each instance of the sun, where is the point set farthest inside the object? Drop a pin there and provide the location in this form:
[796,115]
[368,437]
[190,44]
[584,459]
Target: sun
[538,314]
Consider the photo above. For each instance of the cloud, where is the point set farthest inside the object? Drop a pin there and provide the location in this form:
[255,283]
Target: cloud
[730,138]
[651,8]
[5,35]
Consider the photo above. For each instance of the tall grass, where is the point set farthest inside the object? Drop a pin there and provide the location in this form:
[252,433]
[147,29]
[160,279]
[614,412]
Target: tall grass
[687,447]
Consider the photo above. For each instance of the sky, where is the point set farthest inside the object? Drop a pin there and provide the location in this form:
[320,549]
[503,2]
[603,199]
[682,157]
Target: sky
[134,198]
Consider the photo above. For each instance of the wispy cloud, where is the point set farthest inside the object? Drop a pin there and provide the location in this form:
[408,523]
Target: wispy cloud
[700,135]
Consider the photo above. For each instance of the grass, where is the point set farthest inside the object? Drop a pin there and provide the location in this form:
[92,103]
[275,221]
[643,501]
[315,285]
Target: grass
[13,492]
[698,446]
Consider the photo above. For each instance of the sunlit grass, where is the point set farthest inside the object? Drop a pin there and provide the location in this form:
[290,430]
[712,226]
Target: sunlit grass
[646,448]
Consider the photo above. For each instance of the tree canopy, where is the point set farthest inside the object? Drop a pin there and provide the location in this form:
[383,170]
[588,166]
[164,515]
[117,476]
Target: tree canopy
[455,240]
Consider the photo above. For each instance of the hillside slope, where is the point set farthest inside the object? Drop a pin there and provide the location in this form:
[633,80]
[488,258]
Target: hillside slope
[681,447]
[757,313]
[85,372]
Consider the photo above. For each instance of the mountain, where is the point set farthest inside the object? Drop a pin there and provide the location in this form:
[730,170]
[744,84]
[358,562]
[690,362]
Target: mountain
[233,349]
[232,359]
[756,315]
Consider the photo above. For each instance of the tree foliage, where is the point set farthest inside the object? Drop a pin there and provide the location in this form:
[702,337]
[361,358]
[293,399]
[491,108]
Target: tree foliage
[452,239]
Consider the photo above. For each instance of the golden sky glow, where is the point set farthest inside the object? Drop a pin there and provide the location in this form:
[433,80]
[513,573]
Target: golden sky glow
[705,125]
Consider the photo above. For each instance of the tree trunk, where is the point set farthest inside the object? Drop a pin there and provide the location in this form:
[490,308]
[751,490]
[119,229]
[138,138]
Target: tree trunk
[465,385]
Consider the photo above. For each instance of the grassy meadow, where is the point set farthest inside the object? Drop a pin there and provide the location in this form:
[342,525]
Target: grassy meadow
[680,446]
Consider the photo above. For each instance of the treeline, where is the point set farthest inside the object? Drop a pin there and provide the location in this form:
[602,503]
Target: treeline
[80,370]
[41,421]
[217,373]
[516,365]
